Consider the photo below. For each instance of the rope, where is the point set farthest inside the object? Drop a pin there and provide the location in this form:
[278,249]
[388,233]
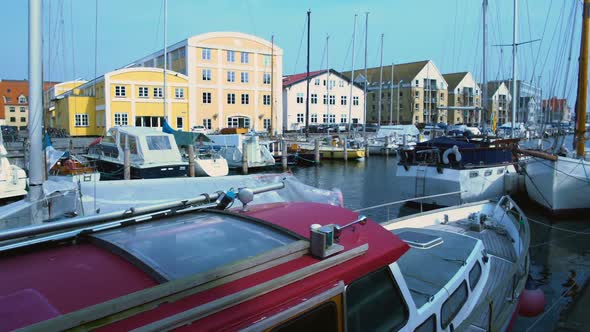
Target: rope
[300,44]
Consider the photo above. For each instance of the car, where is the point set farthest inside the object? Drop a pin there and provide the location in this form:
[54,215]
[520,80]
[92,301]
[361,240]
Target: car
[199,129]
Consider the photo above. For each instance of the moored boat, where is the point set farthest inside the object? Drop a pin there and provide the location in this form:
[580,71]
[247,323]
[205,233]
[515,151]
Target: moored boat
[209,162]
[13,179]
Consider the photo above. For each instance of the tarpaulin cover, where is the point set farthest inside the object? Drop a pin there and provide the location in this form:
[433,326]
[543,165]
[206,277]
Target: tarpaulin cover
[184,138]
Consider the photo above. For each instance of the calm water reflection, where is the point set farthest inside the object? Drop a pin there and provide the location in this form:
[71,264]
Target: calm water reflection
[556,256]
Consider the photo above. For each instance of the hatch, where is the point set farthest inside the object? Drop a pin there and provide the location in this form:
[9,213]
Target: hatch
[420,240]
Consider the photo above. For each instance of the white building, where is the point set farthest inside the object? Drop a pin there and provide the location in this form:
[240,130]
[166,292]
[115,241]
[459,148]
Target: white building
[324,107]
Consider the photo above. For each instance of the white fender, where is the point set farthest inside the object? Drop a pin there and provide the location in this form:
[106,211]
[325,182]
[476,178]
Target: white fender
[454,150]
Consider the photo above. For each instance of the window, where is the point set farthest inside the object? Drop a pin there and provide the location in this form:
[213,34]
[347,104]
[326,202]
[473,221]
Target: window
[22,109]
[429,325]
[332,118]
[22,100]
[355,101]
[143,92]
[231,76]
[231,98]
[442,96]
[314,118]
[23,119]
[120,119]
[80,120]
[417,82]
[179,122]
[266,78]
[245,99]
[417,94]
[266,60]
[266,124]
[385,311]
[341,83]
[238,122]
[325,118]
[119,91]
[417,106]
[207,123]
[158,93]
[158,143]
[206,54]
[316,81]
[149,121]
[244,57]
[453,305]
[12,109]
[342,118]
[321,318]
[324,82]
[343,100]
[179,93]
[325,99]
[314,98]
[13,119]
[300,118]
[475,274]
[206,97]
[206,74]
[332,100]
[231,56]
[244,77]
[355,120]
[266,99]
[300,98]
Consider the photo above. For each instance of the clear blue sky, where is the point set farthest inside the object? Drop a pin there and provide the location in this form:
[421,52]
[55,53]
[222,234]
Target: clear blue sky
[445,31]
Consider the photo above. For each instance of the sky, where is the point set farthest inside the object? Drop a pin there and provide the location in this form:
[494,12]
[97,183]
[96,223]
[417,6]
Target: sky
[448,32]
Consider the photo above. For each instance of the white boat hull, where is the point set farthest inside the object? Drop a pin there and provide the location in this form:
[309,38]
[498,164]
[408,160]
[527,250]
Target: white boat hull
[211,167]
[13,182]
[561,186]
[471,185]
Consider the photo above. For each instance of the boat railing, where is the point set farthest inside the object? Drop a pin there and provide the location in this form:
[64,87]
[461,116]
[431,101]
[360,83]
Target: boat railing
[413,199]
[515,280]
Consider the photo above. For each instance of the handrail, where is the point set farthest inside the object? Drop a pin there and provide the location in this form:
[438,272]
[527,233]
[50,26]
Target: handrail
[409,200]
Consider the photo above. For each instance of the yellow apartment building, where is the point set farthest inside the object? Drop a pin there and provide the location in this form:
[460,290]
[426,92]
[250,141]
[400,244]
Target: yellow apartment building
[49,98]
[130,96]
[235,79]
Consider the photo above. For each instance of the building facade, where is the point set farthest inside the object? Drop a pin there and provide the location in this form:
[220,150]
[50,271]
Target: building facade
[234,79]
[126,97]
[499,102]
[329,94]
[463,91]
[49,98]
[412,93]
[528,101]
[14,102]
[556,110]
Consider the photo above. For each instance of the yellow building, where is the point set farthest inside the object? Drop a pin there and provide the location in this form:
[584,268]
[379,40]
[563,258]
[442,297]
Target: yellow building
[234,79]
[130,96]
[49,98]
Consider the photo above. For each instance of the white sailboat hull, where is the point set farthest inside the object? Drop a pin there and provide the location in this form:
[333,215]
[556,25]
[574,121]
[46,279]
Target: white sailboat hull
[13,182]
[211,167]
[471,185]
[561,186]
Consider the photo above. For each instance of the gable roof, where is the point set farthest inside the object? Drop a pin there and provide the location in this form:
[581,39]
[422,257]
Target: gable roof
[402,71]
[290,80]
[493,86]
[453,79]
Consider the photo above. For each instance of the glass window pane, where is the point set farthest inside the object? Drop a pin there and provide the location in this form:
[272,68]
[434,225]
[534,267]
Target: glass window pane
[474,275]
[323,318]
[429,325]
[374,303]
[158,142]
[180,246]
[453,305]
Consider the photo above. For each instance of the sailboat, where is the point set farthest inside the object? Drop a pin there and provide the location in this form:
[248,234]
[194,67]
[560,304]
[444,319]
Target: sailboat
[561,184]
[13,179]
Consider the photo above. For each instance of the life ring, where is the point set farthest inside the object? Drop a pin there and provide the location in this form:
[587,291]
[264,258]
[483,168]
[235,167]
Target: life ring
[454,150]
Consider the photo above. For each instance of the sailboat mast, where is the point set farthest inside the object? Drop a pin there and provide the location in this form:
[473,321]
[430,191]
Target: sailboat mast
[582,84]
[391,97]
[307,77]
[165,56]
[484,91]
[327,80]
[366,79]
[35,94]
[380,80]
[273,121]
[514,46]
[352,74]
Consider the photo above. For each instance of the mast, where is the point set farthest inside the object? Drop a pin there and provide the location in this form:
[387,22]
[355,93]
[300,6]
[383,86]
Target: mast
[514,46]
[582,84]
[484,91]
[165,57]
[273,124]
[35,94]
[391,97]
[380,81]
[307,77]
[352,74]
[366,78]
[327,81]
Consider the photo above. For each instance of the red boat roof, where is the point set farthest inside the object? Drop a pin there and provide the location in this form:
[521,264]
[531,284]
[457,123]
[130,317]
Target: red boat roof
[63,279]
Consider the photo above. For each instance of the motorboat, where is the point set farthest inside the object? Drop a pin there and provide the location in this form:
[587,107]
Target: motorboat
[231,147]
[288,266]
[153,154]
[457,170]
[209,162]
[13,179]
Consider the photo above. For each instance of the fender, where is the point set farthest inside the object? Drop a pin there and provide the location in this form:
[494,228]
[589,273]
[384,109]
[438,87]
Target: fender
[455,151]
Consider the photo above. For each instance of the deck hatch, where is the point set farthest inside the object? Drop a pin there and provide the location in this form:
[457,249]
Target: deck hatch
[420,240]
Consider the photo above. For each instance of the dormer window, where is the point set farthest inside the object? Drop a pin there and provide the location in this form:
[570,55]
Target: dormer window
[22,99]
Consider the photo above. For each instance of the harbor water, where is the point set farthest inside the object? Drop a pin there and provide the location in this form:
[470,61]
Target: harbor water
[560,250]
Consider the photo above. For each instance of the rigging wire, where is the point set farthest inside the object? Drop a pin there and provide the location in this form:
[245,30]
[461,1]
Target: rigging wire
[158,26]
[300,45]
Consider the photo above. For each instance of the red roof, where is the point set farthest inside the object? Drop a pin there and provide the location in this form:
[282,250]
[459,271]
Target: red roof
[556,105]
[60,280]
[296,78]
[10,90]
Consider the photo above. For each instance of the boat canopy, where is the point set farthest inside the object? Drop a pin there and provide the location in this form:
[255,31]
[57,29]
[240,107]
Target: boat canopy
[398,130]
[147,145]
[184,138]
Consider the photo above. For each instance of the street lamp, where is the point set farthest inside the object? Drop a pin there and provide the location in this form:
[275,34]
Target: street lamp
[398,87]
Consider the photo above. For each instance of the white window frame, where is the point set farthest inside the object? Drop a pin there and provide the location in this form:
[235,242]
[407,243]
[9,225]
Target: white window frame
[266,60]
[207,123]
[206,75]
[121,119]
[244,57]
[22,100]
[314,118]
[245,99]
[158,92]
[231,76]
[231,98]
[230,56]
[181,122]
[332,100]
[206,98]
[266,124]
[179,93]
[299,99]
[143,92]
[314,98]
[244,77]
[12,109]
[343,100]
[206,54]
[355,100]
[343,118]
[266,99]
[22,109]
[317,81]
[300,118]
[266,78]
[120,91]
[80,120]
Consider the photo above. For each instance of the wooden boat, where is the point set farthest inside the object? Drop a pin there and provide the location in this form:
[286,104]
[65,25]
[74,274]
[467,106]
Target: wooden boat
[282,267]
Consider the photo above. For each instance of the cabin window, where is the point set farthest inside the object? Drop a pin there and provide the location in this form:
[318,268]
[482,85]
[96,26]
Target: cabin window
[473,174]
[375,303]
[158,142]
[132,144]
[428,325]
[453,305]
[322,318]
[474,275]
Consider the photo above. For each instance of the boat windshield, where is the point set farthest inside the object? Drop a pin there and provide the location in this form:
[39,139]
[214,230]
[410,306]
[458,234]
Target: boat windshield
[158,142]
[183,245]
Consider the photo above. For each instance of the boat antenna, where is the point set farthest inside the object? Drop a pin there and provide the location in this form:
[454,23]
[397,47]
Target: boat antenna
[580,140]
[307,76]
[352,75]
